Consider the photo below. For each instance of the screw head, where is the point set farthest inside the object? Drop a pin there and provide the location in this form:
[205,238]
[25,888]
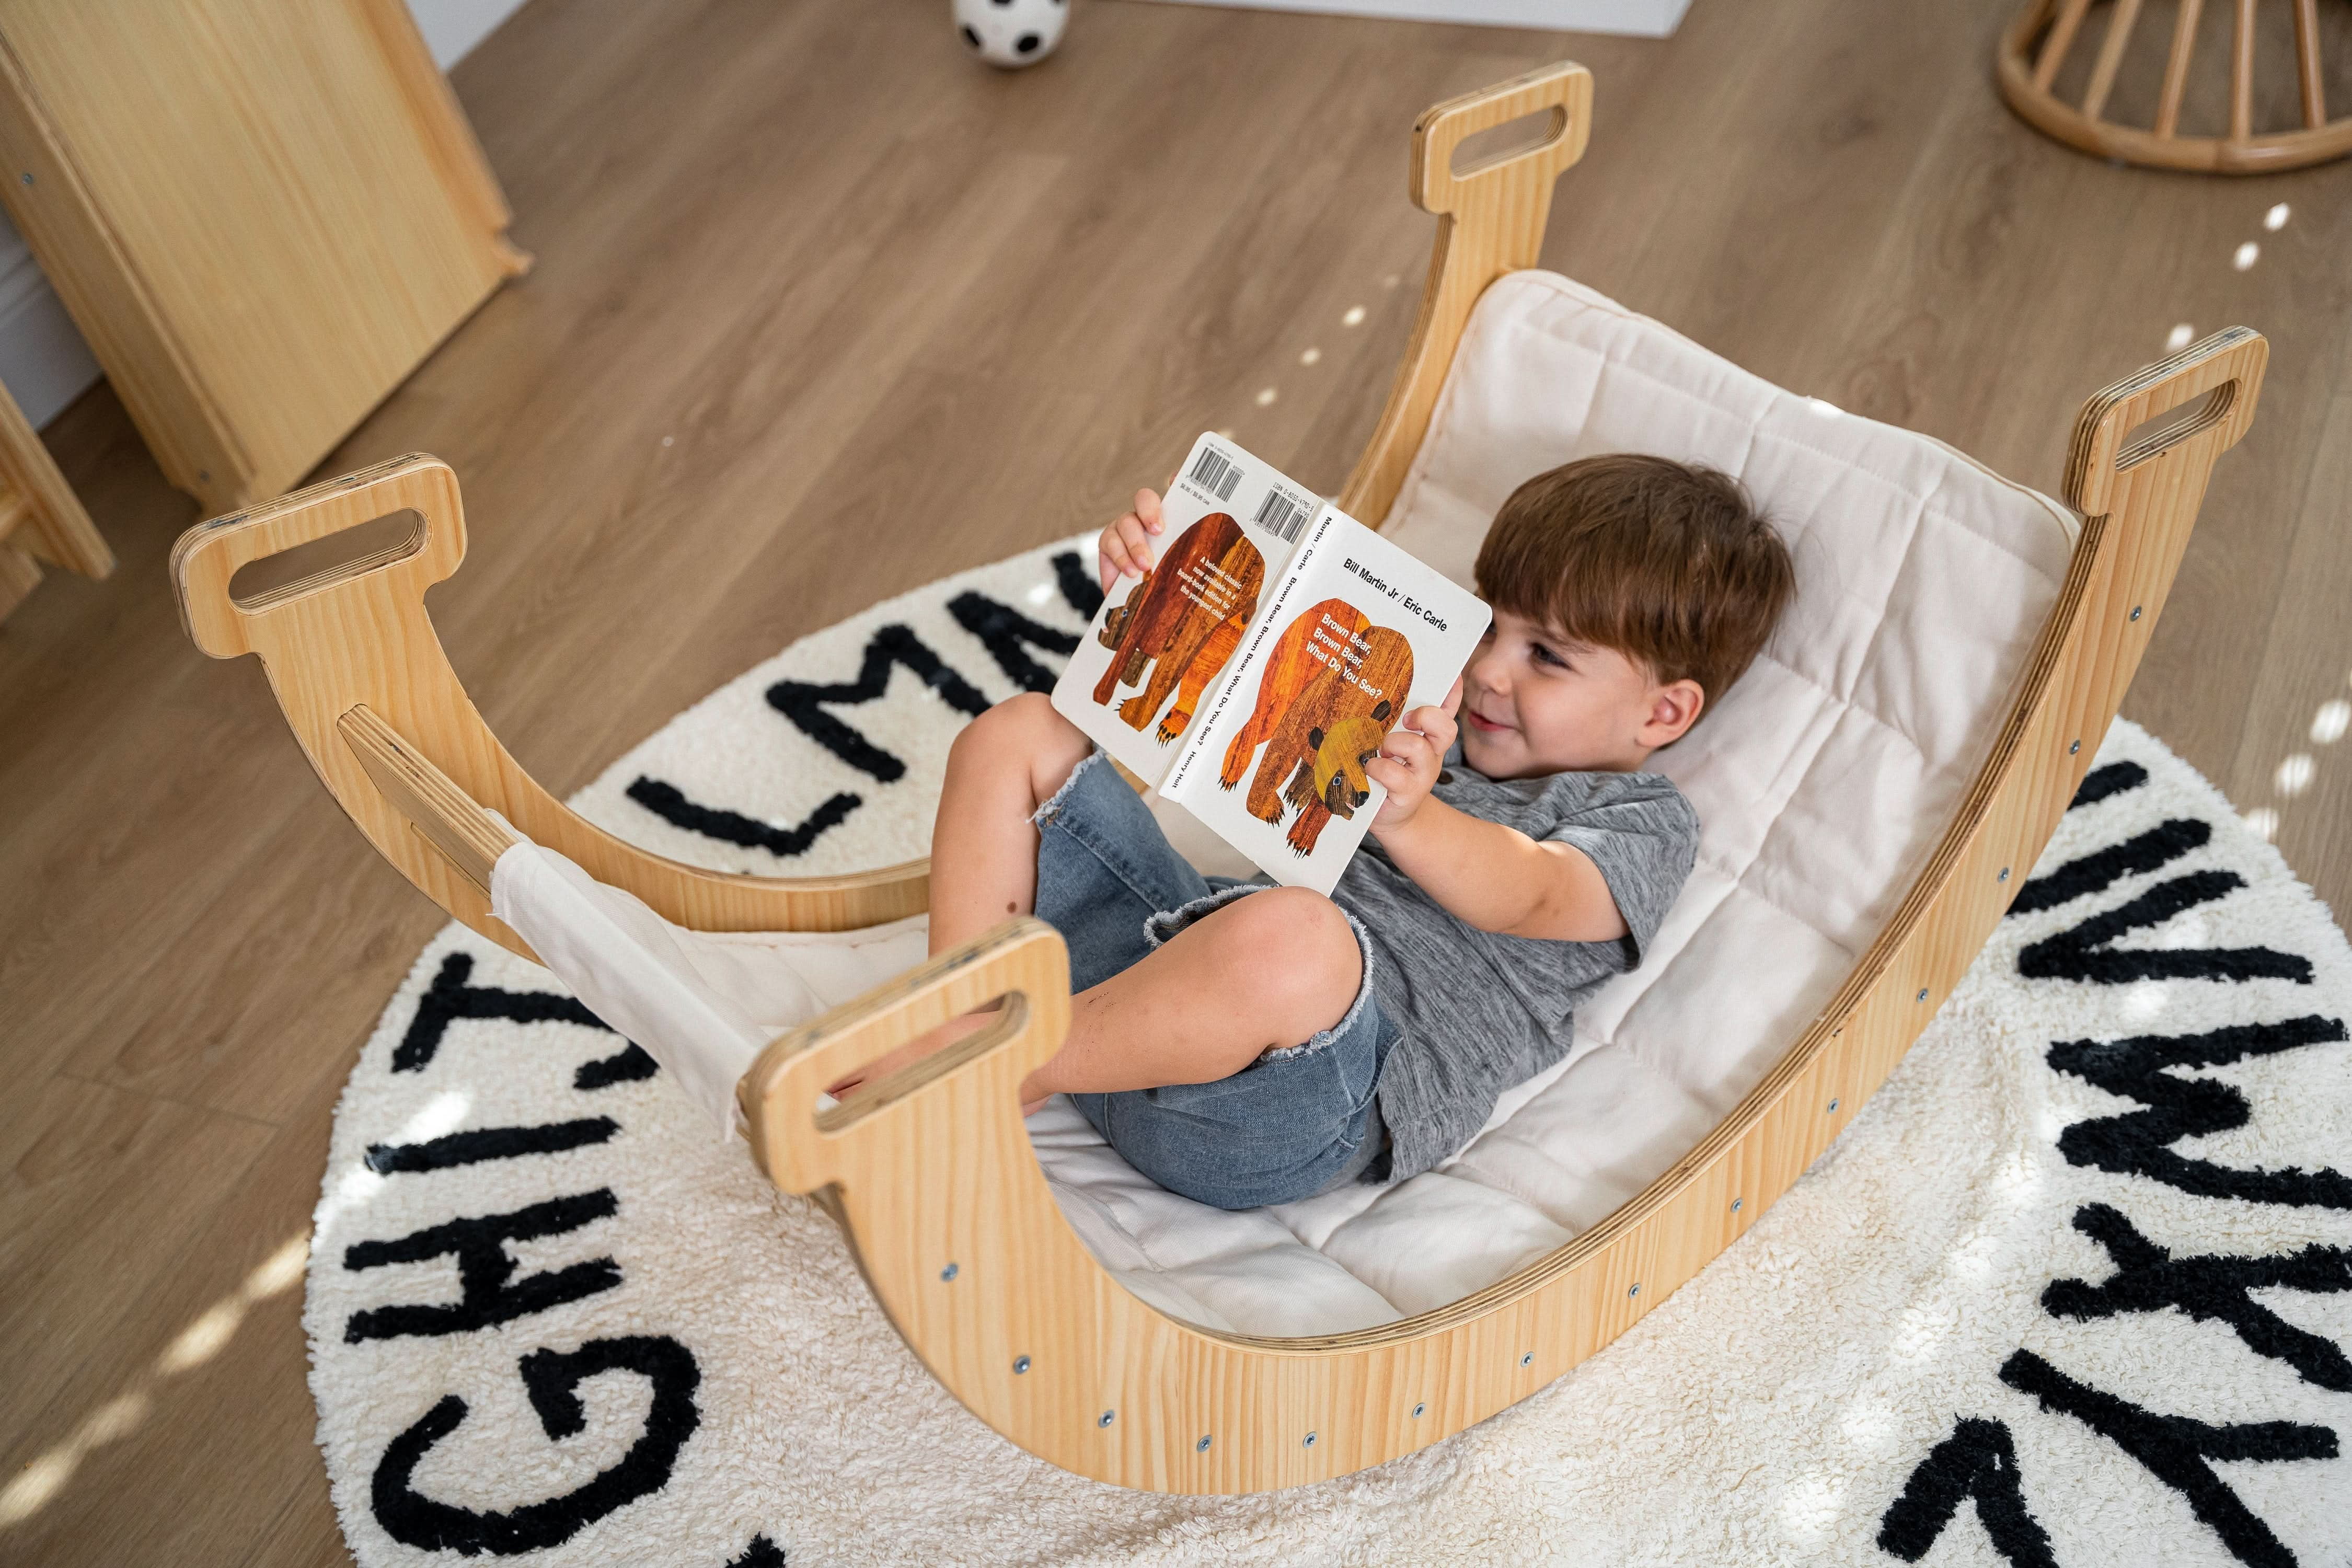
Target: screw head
[1923,994]
[1201,1447]
[1309,1442]
[1735,1203]
[2134,612]
[2075,748]
[1635,1291]
[1020,1364]
[1833,1104]
[26,176]
[950,1272]
[1106,1417]
[1529,1359]
[1417,1411]
[2004,875]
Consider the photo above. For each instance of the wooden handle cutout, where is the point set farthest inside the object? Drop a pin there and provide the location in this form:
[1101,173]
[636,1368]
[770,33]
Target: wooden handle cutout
[1013,1017]
[322,562]
[2153,437]
[1504,143]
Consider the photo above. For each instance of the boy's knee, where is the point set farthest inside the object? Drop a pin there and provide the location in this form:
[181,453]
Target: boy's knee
[1296,951]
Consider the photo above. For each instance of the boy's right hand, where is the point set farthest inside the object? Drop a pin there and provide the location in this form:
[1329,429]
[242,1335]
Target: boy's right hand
[1125,545]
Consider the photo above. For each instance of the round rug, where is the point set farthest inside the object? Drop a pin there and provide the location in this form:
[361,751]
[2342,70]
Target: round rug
[2075,1287]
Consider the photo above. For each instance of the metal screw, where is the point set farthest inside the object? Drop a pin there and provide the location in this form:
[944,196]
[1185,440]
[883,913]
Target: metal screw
[1833,1104]
[1310,1441]
[1201,1447]
[1923,994]
[2134,612]
[1105,1419]
[1529,1359]
[2004,875]
[1020,1364]
[1417,1410]
[2075,748]
[26,176]
[950,1272]
[1635,1291]
[1735,1203]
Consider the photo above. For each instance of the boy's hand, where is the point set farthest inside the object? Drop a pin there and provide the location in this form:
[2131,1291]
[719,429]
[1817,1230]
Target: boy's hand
[1410,759]
[1125,545]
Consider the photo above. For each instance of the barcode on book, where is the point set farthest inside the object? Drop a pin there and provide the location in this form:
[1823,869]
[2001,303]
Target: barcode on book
[1215,473]
[1283,513]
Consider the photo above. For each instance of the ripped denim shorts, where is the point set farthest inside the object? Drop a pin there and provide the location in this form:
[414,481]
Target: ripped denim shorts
[1292,1124]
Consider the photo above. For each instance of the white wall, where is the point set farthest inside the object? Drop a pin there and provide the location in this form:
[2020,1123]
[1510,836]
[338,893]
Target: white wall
[44,363]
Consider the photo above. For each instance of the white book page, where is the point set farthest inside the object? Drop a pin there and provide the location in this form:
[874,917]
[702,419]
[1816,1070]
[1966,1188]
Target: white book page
[1159,643]
[1357,633]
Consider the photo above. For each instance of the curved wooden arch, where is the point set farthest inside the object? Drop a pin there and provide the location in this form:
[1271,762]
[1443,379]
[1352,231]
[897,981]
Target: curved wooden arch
[930,1171]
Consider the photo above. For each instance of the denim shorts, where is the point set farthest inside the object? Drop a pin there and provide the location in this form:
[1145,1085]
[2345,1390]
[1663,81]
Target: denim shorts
[1298,1121]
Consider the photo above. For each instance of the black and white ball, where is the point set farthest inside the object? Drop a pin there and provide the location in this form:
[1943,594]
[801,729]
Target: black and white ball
[1011,33]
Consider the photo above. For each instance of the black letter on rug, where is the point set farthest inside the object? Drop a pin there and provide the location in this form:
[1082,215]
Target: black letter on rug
[2088,874]
[2081,952]
[804,703]
[489,1143]
[669,803]
[2149,1278]
[1976,1461]
[1078,589]
[2138,1142]
[553,1379]
[449,998]
[1002,630]
[2175,1449]
[2113,779]
[491,1293]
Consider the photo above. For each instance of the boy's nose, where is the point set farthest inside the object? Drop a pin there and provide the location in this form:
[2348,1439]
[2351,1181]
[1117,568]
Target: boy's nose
[1489,672]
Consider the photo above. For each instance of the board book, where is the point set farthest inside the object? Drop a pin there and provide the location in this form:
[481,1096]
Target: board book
[1252,673]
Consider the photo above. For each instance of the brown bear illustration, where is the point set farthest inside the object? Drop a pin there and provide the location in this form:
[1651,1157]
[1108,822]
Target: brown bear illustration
[1204,668]
[1321,718]
[1290,669]
[1183,620]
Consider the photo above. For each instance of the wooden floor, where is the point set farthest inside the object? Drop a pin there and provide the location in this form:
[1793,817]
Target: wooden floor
[822,311]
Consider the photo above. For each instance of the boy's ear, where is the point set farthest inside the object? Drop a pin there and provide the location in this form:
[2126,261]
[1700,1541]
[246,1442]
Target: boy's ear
[1675,706]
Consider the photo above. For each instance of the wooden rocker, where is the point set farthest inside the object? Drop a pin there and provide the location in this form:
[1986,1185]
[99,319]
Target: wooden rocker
[1932,776]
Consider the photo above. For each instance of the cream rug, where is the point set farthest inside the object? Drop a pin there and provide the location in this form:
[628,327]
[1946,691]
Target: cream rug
[2074,1289]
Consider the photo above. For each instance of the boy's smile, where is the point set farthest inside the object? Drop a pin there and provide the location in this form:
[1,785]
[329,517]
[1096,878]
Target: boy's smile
[1535,703]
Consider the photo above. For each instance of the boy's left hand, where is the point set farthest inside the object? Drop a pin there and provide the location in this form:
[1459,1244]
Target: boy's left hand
[1410,757]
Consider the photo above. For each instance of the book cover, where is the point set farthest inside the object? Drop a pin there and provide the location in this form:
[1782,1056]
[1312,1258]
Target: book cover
[1355,633]
[1158,644]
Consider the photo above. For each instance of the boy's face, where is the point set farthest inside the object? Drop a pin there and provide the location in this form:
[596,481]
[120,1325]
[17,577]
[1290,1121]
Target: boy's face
[1533,702]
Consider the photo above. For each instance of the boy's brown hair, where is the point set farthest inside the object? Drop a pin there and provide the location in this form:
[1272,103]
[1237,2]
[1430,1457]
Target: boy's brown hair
[1669,564]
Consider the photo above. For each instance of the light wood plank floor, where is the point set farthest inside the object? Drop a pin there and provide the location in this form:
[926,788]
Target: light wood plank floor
[822,311]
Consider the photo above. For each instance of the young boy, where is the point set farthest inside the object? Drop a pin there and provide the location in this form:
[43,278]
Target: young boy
[1245,1043]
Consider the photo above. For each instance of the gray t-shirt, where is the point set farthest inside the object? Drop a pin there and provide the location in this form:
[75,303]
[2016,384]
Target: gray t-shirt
[1480,1011]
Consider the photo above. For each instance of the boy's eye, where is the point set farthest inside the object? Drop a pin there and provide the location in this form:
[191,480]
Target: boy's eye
[1545,655]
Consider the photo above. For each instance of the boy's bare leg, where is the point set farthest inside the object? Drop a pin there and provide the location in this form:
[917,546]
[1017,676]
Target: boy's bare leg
[1270,970]
[1003,766]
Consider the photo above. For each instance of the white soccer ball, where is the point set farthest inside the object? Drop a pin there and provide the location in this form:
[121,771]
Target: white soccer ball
[1011,33]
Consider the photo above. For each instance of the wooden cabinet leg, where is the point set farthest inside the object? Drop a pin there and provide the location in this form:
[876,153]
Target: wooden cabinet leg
[19,575]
